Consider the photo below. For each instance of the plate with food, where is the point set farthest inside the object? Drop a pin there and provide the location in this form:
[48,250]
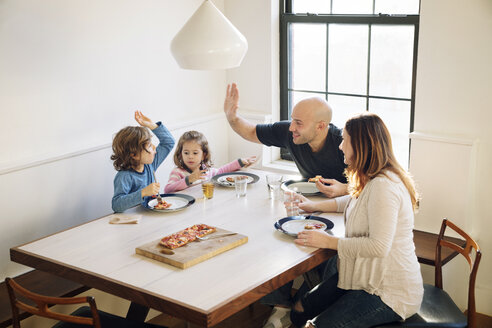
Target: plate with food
[292,225]
[302,186]
[169,202]
[227,179]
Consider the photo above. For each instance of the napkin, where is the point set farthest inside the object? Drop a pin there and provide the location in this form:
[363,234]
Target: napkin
[124,218]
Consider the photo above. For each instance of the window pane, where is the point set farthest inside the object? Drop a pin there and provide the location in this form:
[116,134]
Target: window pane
[347,58]
[308,56]
[396,116]
[345,107]
[311,6]
[391,61]
[352,6]
[409,7]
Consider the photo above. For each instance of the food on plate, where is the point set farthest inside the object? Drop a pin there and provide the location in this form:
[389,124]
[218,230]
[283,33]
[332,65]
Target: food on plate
[233,179]
[187,235]
[315,179]
[162,205]
[312,226]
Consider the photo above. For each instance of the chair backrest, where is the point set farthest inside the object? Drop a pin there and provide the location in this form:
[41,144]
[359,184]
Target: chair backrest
[42,303]
[467,251]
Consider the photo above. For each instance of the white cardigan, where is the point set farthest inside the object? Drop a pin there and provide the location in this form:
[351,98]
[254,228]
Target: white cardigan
[377,254]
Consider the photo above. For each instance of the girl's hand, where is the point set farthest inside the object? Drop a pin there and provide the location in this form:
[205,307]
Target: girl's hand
[316,238]
[144,120]
[151,189]
[248,161]
[197,175]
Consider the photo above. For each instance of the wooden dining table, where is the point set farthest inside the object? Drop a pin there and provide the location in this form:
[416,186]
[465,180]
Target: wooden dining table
[103,256]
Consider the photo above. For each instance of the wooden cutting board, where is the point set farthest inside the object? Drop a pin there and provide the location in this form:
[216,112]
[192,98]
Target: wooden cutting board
[194,252]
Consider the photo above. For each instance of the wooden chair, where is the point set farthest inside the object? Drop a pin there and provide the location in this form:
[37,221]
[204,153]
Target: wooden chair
[438,309]
[86,316]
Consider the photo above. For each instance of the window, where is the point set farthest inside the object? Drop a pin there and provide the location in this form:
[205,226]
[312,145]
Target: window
[360,55]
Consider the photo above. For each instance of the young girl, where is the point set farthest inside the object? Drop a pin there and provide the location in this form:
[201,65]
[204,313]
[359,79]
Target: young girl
[136,158]
[192,159]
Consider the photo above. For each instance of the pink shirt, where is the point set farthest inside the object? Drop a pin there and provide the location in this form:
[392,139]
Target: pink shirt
[177,178]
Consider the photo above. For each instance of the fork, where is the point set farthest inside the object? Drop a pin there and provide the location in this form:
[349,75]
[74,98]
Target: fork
[216,236]
[307,217]
[159,198]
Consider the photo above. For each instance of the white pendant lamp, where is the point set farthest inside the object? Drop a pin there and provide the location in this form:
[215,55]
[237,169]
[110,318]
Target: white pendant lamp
[208,41]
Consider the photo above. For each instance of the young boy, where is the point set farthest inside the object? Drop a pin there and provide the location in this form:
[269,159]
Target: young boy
[136,158]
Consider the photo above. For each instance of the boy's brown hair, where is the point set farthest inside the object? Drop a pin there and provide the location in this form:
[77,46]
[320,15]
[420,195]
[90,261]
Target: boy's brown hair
[200,139]
[129,142]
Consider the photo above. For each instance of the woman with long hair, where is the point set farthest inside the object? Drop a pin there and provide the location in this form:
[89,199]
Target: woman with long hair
[375,277]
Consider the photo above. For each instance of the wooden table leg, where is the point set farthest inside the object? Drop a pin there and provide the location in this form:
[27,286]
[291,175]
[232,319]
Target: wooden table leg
[137,312]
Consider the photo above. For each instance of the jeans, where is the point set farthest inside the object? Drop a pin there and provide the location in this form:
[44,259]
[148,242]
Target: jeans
[282,295]
[326,305]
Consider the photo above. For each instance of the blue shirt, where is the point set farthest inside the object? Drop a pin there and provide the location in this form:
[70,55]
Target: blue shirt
[128,184]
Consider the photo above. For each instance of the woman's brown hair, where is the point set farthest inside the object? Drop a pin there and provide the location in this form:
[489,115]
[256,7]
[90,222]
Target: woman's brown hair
[200,139]
[129,142]
[373,153]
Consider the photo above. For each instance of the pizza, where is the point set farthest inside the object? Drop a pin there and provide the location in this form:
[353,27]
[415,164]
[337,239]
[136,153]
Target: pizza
[312,226]
[233,179]
[315,179]
[162,205]
[187,235]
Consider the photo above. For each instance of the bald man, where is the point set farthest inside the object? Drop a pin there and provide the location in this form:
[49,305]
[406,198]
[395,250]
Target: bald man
[310,138]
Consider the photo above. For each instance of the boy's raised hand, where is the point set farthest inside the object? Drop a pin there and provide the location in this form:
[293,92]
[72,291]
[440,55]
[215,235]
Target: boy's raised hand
[144,120]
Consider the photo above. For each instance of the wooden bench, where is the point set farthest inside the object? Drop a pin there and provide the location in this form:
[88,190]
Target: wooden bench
[38,282]
[425,247]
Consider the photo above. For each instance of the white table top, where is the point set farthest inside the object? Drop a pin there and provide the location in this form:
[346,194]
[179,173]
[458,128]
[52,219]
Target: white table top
[102,255]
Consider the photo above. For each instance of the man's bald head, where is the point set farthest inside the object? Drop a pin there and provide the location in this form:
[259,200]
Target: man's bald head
[315,108]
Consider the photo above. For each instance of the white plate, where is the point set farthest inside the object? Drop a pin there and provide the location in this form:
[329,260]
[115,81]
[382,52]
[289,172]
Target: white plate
[223,179]
[177,201]
[303,187]
[296,226]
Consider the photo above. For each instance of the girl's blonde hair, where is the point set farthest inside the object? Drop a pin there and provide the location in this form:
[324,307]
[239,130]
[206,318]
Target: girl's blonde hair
[200,139]
[373,153]
[129,142]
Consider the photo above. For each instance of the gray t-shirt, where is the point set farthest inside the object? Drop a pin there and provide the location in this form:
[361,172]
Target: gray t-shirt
[328,162]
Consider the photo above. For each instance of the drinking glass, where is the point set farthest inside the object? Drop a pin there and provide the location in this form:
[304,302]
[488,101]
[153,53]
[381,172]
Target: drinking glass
[208,189]
[274,181]
[291,202]
[241,185]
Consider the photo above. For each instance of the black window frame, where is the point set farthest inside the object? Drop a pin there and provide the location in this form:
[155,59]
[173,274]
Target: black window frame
[287,17]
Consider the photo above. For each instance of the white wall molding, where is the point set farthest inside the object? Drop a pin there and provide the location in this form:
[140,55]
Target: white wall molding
[25,164]
[439,138]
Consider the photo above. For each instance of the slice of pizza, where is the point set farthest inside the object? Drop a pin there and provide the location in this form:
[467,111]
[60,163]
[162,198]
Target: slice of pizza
[315,179]
[187,235]
[312,226]
[162,205]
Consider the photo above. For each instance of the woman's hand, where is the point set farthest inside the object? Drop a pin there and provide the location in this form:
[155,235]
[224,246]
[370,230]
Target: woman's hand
[307,205]
[151,189]
[144,120]
[331,187]
[197,175]
[247,162]
[317,238]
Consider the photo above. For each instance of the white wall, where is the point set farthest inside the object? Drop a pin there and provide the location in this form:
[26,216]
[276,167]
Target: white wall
[453,100]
